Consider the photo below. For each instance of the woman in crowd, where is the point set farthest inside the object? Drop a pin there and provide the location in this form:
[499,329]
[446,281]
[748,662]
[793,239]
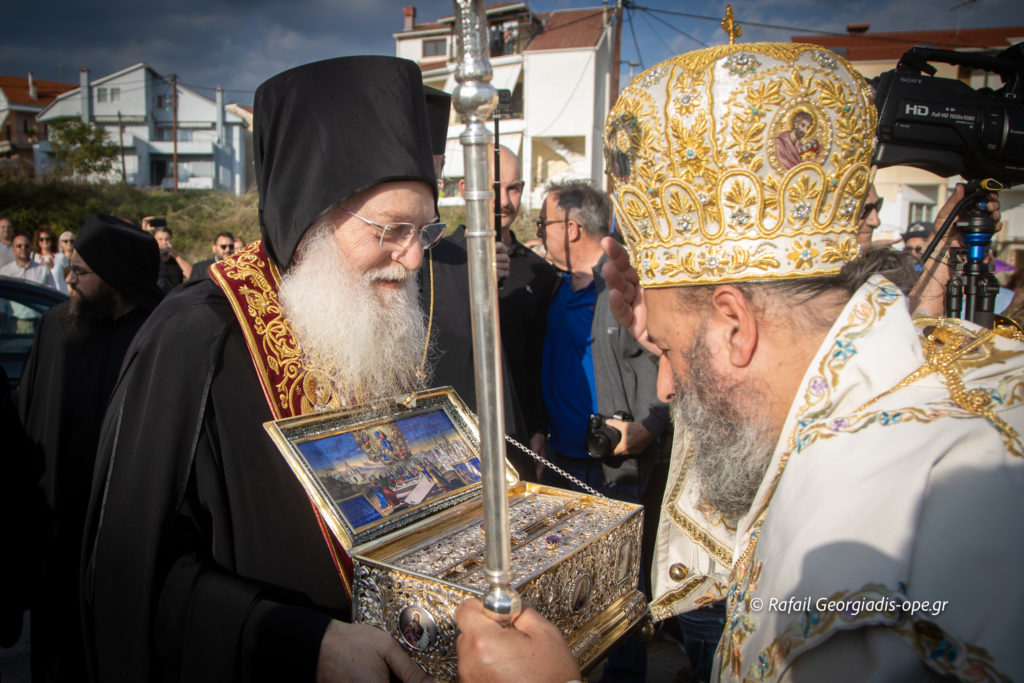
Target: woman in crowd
[45,252]
[67,244]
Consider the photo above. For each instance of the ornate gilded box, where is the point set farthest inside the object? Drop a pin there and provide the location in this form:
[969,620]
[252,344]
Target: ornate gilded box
[398,484]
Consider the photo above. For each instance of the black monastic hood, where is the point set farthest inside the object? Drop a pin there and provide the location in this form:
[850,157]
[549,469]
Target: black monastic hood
[124,257]
[326,131]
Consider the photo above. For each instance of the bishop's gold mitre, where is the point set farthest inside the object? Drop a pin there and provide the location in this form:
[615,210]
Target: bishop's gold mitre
[741,162]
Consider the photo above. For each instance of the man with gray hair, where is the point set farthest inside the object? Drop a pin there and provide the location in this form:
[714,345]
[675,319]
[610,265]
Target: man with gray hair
[586,353]
[592,366]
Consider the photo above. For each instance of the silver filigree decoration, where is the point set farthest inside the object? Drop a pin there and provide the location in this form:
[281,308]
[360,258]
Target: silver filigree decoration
[801,211]
[742,63]
[825,59]
[685,100]
[653,76]
[848,207]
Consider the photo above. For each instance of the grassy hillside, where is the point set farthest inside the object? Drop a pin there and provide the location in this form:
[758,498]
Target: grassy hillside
[194,216]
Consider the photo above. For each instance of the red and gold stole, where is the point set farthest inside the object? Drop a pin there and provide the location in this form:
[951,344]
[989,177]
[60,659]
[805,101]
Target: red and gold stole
[251,282]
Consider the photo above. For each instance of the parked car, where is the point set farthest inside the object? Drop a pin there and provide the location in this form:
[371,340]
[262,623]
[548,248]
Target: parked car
[22,304]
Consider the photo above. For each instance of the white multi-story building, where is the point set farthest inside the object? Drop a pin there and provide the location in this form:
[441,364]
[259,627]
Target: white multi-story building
[136,107]
[556,65]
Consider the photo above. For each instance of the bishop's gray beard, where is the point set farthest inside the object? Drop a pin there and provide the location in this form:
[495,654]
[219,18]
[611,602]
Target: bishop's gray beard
[368,339]
[731,448]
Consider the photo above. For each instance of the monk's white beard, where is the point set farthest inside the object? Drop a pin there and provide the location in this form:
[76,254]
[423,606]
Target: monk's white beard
[732,448]
[368,339]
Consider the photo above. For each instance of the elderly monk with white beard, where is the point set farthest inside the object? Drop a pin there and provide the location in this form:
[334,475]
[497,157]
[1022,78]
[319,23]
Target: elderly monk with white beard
[846,475]
[204,560]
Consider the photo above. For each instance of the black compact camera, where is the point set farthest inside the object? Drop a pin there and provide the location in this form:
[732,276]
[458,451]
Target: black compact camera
[603,438]
[945,126]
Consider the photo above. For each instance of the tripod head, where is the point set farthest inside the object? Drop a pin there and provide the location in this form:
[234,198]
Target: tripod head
[972,289]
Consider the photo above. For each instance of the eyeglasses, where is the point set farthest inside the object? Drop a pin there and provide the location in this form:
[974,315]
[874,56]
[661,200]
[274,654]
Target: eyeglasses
[229,245]
[542,224]
[67,241]
[399,234]
[872,206]
[919,249]
[45,239]
[21,245]
[78,271]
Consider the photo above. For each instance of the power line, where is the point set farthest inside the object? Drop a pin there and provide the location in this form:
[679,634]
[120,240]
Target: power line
[636,43]
[657,35]
[797,29]
[678,30]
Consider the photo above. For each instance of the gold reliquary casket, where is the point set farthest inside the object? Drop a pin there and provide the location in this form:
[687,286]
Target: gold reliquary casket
[398,483]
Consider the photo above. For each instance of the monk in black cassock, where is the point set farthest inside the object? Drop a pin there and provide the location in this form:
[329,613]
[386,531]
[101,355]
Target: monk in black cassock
[204,559]
[68,379]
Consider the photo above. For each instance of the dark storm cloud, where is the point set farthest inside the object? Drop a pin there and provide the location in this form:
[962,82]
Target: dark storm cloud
[229,43]
[238,44]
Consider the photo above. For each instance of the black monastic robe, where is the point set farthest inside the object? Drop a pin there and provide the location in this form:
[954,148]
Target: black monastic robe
[203,558]
[63,395]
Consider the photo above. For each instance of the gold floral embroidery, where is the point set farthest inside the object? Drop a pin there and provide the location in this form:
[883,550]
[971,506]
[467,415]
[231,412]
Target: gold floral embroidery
[251,283]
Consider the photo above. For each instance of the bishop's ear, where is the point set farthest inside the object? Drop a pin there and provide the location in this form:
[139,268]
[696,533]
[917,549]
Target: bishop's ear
[733,325]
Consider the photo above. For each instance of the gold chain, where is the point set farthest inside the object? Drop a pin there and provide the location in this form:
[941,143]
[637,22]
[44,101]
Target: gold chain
[430,317]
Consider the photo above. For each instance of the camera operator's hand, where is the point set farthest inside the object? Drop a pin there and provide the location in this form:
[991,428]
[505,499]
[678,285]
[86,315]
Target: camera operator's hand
[532,649]
[635,437]
[360,652]
[625,297]
[928,295]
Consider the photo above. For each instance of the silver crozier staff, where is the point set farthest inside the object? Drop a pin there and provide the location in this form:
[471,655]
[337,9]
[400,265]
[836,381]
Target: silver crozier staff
[474,98]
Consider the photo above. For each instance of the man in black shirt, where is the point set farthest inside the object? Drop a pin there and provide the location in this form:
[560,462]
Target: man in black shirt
[523,299]
[223,246]
[173,268]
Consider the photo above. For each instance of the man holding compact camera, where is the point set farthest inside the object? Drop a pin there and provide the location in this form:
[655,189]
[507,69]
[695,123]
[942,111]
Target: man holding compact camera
[173,268]
[599,384]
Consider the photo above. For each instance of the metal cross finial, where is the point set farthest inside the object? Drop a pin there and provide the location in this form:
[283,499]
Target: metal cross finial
[730,26]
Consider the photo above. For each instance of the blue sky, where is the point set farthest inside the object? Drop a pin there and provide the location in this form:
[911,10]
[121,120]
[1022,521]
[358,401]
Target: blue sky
[238,44]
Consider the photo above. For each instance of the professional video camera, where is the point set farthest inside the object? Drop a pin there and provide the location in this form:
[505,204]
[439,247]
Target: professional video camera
[944,126]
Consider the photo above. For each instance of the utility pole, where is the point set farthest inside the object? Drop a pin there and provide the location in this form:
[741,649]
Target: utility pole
[120,136]
[174,125]
[616,54]
[613,95]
